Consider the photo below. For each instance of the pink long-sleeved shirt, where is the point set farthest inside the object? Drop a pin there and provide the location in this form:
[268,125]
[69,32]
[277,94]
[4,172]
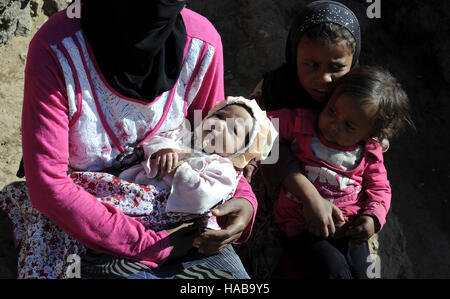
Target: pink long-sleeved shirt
[353,178]
[45,135]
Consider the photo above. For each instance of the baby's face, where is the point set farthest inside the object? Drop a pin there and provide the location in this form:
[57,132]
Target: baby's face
[226,131]
[346,121]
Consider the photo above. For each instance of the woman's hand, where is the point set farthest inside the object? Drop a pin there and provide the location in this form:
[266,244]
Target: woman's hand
[182,238]
[239,212]
[361,229]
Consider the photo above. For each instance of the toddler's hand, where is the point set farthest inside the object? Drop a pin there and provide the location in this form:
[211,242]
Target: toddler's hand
[361,229]
[320,215]
[167,161]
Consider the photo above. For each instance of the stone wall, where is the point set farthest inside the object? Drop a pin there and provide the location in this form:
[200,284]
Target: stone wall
[16,15]
[15,19]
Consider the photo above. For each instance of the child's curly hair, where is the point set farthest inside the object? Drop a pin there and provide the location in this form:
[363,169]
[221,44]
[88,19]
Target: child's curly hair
[375,85]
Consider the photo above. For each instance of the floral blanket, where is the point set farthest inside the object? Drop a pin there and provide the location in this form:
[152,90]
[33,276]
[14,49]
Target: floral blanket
[45,251]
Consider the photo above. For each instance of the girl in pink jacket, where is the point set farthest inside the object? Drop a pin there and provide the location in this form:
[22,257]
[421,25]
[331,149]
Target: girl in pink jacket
[342,157]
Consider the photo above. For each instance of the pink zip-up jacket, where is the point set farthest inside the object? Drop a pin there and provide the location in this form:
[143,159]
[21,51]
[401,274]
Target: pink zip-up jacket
[47,123]
[353,178]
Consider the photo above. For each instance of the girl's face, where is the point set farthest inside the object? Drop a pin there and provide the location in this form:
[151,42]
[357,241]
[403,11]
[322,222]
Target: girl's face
[346,121]
[319,63]
[225,132]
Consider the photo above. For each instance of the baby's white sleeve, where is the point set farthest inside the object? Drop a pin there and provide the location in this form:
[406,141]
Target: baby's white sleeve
[166,140]
[199,186]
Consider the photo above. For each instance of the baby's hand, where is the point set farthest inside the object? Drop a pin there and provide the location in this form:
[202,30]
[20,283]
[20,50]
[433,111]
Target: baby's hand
[361,229]
[167,161]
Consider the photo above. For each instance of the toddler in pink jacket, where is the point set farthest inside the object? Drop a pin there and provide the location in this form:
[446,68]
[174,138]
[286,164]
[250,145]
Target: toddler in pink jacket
[342,157]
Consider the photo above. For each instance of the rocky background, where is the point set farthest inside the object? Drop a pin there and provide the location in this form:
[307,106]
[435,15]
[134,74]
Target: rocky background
[411,39]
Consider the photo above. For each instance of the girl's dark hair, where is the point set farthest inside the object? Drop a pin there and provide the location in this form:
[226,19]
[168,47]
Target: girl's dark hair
[332,33]
[374,85]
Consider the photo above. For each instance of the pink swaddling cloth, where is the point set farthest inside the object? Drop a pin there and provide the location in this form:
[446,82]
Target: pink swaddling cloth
[197,185]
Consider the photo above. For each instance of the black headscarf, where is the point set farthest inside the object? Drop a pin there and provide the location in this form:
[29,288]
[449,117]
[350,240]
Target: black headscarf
[281,87]
[139,45]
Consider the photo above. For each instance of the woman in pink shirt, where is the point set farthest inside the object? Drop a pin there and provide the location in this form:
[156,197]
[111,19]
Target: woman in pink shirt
[340,154]
[96,88]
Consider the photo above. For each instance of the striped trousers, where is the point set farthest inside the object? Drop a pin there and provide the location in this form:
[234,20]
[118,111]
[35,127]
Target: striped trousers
[225,265]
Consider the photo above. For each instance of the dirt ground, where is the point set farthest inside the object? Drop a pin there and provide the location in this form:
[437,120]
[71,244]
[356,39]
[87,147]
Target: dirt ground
[412,39]
[12,62]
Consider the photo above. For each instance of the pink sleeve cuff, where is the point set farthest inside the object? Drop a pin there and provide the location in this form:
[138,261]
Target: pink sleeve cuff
[379,215]
[160,250]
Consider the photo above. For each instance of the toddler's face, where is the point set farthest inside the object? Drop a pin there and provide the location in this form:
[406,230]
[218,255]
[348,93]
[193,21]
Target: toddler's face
[318,62]
[346,121]
[225,132]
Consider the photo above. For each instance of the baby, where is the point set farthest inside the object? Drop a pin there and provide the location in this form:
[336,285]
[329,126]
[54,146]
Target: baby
[195,177]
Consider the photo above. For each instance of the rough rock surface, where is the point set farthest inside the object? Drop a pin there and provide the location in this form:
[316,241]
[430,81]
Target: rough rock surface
[51,7]
[16,15]
[15,19]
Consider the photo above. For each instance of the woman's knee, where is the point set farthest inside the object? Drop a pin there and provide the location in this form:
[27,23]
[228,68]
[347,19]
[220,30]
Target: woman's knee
[222,264]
